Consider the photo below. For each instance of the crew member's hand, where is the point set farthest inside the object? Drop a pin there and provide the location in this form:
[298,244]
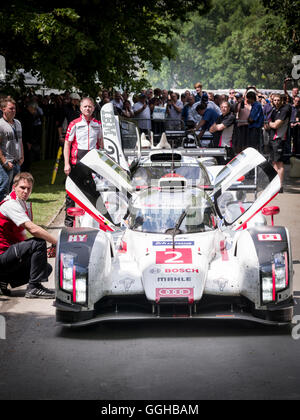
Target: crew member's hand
[67,169]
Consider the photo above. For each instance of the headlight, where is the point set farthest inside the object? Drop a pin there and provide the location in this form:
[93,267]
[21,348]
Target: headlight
[73,278]
[274,277]
[66,272]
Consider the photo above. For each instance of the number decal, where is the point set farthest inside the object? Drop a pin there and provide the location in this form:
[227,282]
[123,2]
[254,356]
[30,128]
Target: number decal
[174,256]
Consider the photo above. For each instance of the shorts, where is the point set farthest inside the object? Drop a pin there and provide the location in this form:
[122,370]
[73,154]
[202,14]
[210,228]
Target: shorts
[276,150]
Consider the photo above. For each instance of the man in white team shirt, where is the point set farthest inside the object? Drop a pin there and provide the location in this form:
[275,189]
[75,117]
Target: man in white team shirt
[23,260]
[83,134]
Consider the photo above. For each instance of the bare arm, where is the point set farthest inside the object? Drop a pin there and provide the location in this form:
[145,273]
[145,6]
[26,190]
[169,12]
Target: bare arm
[276,124]
[39,232]
[67,148]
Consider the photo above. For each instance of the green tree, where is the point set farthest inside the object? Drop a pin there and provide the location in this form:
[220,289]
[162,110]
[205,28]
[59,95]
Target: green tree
[289,11]
[229,47]
[91,42]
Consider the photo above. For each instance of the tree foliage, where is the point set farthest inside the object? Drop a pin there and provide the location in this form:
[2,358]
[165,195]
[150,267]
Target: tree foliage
[85,43]
[289,10]
[236,44]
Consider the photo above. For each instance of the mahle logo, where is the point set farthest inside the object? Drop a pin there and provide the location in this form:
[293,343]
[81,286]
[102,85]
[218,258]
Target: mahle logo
[2,328]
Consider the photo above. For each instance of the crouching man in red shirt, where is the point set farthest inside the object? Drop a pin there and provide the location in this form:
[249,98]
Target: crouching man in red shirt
[23,260]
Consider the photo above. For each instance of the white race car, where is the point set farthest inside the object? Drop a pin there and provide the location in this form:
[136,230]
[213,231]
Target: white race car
[173,250]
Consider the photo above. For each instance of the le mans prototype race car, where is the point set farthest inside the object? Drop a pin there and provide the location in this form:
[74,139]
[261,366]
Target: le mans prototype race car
[174,249]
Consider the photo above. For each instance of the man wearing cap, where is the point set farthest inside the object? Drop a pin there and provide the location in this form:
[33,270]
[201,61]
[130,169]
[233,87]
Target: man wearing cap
[70,112]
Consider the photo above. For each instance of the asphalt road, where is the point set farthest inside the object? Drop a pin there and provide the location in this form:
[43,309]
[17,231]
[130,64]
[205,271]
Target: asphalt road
[179,360]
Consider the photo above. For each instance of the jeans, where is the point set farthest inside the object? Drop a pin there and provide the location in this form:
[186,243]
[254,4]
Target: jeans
[25,262]
[6,180]
[4,183]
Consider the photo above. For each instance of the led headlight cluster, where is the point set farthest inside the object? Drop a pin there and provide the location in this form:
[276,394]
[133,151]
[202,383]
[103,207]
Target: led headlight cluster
[274,277]
[73,278]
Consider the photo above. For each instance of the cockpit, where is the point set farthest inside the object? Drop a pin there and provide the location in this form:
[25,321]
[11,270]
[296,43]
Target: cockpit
[189,210]
[149,174]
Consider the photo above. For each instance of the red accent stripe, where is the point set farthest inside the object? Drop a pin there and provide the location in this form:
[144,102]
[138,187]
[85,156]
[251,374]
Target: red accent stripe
[61,271]
[274,282]
[224,252]
[286,269]
[74,283]
[101,222]
[244,225]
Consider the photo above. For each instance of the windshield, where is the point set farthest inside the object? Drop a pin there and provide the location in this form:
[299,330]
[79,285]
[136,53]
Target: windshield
[149,174]
[158,211]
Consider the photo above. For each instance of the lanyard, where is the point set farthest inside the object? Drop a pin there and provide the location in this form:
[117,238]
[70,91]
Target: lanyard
[15,132]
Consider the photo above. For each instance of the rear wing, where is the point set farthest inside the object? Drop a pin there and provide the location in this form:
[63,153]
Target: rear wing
[199,152]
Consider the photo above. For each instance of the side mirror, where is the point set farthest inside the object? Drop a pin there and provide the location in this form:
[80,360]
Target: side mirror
[75,212]
[271,211]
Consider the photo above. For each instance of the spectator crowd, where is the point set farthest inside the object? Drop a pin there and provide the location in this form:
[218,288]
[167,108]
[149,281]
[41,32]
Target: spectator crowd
[236,120]
[32,128]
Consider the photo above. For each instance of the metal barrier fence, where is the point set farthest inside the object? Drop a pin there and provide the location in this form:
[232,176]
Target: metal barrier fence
[50,140]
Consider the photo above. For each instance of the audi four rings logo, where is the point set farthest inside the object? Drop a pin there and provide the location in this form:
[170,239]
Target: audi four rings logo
[174,292]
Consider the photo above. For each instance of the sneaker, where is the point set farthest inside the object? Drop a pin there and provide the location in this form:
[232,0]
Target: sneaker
[39,292]
[4,291]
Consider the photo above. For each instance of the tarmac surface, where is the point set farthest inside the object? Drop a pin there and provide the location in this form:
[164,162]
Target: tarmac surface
[150,361]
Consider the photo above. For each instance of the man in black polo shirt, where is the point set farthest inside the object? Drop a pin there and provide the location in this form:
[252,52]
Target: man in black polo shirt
[222,129]
[279,125]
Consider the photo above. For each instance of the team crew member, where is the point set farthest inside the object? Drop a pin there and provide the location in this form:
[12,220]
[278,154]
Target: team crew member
[256,121]
[222,129]
[279,126]
[23,260]
[83,135]
[209,117]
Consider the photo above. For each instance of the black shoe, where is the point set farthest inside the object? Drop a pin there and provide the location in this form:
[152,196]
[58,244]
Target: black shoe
[4,289]
[39,292]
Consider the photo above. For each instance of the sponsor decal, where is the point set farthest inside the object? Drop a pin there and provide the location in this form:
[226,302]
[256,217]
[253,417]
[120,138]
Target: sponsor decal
[169,243]
[181,270]
[175,293]
[269,237]
[77,238]
[163,279]
[174,256]
[155,270]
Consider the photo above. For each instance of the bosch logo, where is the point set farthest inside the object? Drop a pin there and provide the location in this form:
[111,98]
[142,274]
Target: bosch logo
[181,270]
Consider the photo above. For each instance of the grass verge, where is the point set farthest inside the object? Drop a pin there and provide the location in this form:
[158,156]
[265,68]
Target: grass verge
[46,199]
